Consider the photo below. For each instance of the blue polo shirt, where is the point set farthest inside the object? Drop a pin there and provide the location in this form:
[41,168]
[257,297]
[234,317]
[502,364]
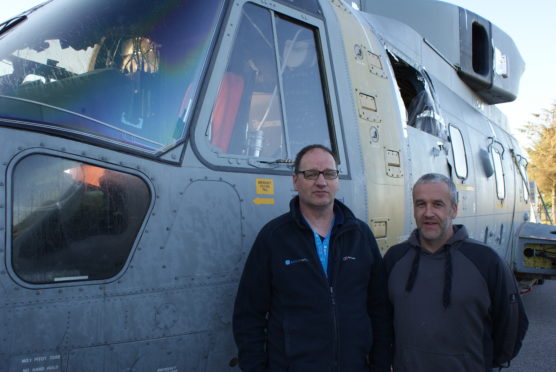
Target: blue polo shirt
[322,243]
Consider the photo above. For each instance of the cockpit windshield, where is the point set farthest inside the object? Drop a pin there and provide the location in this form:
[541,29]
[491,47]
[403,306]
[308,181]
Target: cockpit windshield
[125,71]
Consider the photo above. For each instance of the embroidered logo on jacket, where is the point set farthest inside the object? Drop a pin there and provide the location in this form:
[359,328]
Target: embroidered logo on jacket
[291,262]
[347,258]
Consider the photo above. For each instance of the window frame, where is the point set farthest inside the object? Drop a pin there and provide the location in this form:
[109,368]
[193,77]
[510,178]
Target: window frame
[9,217]
[249,164]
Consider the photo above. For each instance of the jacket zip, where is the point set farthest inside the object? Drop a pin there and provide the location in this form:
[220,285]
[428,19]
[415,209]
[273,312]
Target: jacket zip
[333,300]
[332,294]
[336,268]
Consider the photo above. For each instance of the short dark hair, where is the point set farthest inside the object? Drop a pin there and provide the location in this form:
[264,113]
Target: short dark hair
[308,148]
[437,177]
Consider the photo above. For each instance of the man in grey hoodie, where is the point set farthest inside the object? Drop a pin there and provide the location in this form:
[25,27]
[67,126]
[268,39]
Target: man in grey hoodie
[455,302]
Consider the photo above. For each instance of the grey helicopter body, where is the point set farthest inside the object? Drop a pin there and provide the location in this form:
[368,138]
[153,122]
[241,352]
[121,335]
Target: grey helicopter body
[144,144]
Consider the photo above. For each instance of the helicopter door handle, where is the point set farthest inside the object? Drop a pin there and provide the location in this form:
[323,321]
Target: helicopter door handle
[436,150]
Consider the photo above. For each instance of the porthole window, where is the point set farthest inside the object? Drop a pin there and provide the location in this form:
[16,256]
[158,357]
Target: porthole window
[525,189]
[499,174]
[522,164]
[458,149]
[73,221]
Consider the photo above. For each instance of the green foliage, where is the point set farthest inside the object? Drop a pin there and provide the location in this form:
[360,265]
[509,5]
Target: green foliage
[542,153]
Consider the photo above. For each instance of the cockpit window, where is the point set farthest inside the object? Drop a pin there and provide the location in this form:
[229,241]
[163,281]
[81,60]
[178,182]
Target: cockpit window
[125,70]
[271,100]
[73,221]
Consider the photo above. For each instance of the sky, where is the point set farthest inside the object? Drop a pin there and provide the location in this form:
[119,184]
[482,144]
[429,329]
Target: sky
[530,24]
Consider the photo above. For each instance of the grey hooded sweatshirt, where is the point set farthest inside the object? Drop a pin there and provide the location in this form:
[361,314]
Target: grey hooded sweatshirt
[455,310]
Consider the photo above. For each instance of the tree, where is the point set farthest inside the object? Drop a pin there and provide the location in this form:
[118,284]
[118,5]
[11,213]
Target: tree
[542,153]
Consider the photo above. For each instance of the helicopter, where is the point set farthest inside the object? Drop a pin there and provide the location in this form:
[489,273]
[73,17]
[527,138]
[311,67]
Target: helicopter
[144,144]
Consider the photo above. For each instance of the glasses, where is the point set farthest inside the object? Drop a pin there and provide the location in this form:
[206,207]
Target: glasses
[313,174]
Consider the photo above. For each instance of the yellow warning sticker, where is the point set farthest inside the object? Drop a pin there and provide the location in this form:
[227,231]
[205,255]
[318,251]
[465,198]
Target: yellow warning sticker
[465,187]
[265,186]
[260,201]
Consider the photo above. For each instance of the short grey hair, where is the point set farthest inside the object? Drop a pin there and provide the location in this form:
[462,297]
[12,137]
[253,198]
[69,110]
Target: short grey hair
[440,178]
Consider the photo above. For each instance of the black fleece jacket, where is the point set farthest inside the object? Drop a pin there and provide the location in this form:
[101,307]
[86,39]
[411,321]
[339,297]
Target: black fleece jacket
[289,316]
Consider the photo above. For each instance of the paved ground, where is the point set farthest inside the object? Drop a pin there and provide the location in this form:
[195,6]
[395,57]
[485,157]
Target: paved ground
[538,353]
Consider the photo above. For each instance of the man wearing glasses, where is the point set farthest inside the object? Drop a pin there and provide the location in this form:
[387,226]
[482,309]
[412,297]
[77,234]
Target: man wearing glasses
[313,296]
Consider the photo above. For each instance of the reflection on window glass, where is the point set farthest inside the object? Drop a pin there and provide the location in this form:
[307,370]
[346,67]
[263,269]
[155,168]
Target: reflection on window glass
[73,221]
[458,148]
[499,174]
[270,101]
[123,70]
